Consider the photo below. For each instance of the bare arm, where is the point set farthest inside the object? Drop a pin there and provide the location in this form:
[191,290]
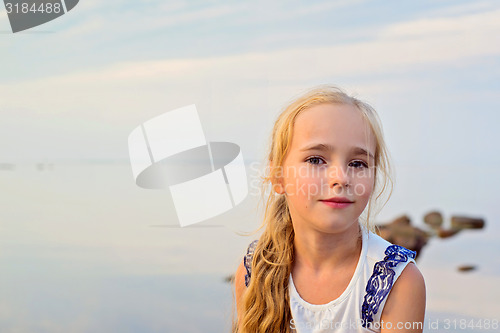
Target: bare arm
[404,310]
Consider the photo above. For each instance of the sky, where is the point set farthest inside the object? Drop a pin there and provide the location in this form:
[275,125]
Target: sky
[73,89]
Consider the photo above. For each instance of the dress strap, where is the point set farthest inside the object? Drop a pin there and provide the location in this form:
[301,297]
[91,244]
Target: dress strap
[247,261]
[380,283]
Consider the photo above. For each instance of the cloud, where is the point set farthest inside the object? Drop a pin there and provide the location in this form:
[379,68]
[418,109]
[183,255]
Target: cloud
[136,90]
[274,12]
[90,100]
[464,8]
[4,20]
[149,16]
[486,23]
[397,47]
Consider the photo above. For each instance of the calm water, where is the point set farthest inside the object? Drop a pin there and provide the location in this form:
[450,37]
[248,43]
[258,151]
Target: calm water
[82,249]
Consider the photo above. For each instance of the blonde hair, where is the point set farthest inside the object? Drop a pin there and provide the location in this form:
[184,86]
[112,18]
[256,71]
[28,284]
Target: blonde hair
[266,300]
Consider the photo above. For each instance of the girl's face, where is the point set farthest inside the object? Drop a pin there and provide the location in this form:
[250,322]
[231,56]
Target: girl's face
[331,158]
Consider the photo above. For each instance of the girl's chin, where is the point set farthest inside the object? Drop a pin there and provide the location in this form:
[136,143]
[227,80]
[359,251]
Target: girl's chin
[335,226]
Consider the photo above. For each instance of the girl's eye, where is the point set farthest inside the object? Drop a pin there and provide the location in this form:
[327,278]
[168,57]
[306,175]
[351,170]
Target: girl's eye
[358,164]
[314,160]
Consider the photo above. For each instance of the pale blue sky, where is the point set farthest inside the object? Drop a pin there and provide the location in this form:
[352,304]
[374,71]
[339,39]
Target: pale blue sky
[75,87]
[149,30]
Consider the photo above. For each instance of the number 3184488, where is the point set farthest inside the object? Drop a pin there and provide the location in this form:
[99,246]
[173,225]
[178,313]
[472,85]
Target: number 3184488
[24,8]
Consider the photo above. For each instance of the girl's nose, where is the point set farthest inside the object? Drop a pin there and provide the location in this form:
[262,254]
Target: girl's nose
[337,176]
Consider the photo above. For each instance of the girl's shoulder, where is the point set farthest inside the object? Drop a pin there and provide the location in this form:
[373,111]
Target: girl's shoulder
[247,261]
[379,249]
[385,264]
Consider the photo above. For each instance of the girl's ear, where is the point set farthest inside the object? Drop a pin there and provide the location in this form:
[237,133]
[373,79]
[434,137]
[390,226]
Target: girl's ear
[278,187]
[277,179]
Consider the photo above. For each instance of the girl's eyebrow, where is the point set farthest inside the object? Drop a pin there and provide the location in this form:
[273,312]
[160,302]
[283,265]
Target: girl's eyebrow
[327,147]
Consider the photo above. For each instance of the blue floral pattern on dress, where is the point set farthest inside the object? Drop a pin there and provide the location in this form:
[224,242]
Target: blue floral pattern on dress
[380,283]
[247,261]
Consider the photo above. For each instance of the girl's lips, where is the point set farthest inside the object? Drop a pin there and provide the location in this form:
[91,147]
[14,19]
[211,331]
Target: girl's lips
[338,199]
[334,204]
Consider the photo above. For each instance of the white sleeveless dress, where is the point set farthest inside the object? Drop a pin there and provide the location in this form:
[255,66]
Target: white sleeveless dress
[360,306]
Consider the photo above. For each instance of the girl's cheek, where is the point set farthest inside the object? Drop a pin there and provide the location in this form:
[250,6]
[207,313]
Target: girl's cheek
[306,188]
[369,187]
[294,187]
[310,182]
[363,187]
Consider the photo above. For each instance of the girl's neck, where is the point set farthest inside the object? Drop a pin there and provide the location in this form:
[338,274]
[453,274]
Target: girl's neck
[319,252]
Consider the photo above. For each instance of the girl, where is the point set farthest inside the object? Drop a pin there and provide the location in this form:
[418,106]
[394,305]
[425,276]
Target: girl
[318,266]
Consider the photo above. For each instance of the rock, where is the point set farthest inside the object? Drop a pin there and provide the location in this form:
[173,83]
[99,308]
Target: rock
[433,219]
[463,222]
[466,268]
[445,233]
[401,221]
[401,232]
[7,166]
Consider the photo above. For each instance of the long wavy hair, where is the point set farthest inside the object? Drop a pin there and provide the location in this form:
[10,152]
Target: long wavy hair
[266,301]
